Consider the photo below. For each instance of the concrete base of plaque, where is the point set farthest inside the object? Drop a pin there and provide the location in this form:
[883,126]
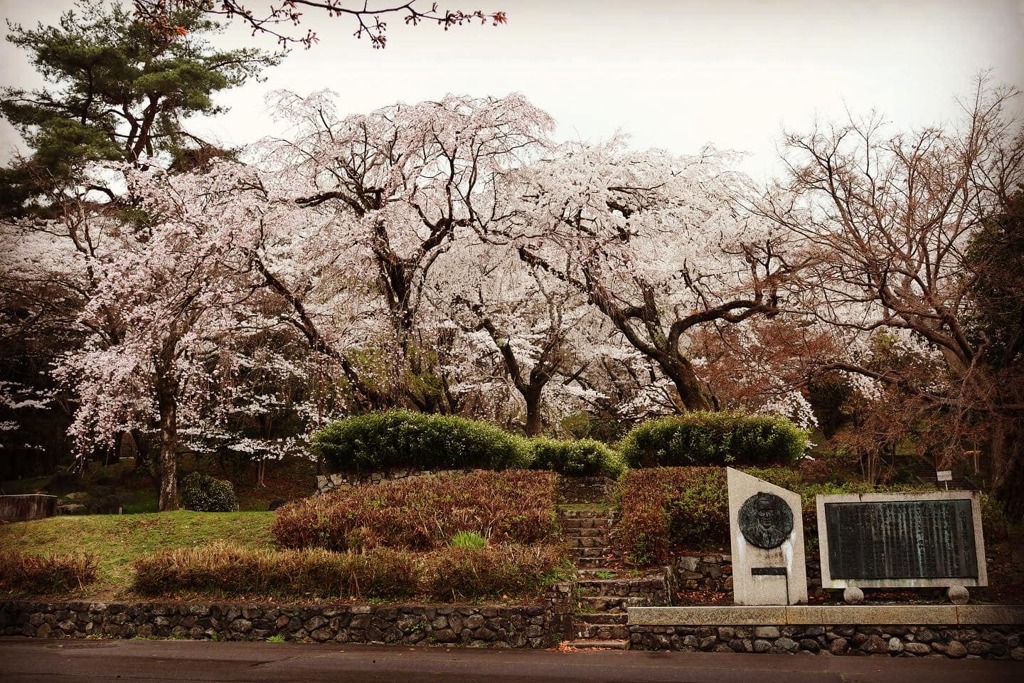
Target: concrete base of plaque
[767,531]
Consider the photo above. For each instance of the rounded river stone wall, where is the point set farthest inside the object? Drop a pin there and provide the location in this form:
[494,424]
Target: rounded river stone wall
[530,626]
[975,642]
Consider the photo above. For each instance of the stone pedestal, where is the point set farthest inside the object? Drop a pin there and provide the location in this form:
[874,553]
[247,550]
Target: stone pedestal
[766,528]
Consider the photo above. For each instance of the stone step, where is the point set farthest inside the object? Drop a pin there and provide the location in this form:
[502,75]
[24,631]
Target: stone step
[622,587]
[592,551]
[586,573]
[593,532]
[601,631]
[586,522]
[600,618]
[603,644]
[590,542]
[606,513]
[597,562]
[608,603]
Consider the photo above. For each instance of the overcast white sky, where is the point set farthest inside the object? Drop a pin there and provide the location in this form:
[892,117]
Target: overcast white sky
[673,74]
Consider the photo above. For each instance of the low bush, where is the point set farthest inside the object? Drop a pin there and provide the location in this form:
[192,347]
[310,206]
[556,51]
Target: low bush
[203,493]
[422,513]
[446,574]
[43,574]
[994,522]
[224,569]
[701,439]
[466,573]
[398,439]
[584,457]
[666,507]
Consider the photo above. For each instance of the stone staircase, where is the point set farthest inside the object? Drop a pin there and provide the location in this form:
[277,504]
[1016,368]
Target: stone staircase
[604,589]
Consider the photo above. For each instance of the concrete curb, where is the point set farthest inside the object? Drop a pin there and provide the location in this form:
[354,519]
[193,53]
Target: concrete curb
[823,615]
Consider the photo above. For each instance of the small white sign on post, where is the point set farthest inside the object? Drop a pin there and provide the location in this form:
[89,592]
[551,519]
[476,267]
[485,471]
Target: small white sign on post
[943,475]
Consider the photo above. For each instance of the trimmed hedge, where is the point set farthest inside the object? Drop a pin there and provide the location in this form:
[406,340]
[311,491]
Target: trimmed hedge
[584,457]
[423,513]
[445,574]
[399,439]
[702,438]
[42,574]
[203,493]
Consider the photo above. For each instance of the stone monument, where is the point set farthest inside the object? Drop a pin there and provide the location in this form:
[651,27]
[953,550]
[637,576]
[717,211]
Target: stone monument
[767,532]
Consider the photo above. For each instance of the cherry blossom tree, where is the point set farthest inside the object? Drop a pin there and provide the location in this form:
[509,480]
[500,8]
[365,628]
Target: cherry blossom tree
[521,320]
[658,243]
[395,190]
[174,301]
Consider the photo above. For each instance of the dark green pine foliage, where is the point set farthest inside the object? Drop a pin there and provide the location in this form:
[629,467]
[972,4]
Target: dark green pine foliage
[116,89]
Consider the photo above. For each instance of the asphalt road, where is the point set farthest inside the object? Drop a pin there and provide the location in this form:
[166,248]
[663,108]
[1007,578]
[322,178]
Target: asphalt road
[60,661]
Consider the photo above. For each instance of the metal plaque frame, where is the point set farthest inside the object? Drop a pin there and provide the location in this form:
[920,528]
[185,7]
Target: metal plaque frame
[828,581]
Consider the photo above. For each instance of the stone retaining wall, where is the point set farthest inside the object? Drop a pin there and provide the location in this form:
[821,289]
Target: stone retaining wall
[530,626]
[706,572]
[981,641]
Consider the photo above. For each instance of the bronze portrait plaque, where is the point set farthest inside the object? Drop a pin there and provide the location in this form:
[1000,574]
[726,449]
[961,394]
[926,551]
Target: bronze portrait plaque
[765,520]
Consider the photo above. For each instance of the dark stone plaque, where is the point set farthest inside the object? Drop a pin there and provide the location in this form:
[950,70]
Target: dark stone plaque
[919,539]
[767,571]
[765,520]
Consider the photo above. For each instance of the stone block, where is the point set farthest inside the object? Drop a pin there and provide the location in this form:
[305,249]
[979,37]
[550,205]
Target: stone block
[706,616]
[888,614]
[989,614]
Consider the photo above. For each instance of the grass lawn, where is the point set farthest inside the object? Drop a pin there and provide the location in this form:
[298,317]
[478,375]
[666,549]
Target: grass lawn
[117,540]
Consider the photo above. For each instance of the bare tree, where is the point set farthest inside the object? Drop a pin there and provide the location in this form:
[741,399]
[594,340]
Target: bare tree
[890,220]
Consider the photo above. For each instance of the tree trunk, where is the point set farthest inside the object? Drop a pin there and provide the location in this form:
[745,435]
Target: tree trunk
[691,393]
[145,463]
[534,425]
[1007,458]
[168,406]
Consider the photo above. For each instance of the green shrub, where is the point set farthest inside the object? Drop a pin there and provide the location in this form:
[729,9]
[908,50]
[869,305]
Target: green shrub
[995,525]
[468,539]
[203,493]
[698,439]
[398,439]
[43,574]
[584,457]
[422,513]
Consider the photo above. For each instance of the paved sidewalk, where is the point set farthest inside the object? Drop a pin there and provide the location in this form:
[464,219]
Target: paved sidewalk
[64,661]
